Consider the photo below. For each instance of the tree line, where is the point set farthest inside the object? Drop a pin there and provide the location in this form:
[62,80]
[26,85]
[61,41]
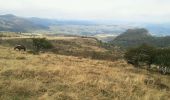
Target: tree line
[149,55]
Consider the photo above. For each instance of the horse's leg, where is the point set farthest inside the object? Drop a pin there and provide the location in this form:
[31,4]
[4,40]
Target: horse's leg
[15,48]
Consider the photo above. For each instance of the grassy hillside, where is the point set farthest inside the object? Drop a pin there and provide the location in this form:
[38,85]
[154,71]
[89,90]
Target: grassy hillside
[77,68]
[51,76]
[74,46]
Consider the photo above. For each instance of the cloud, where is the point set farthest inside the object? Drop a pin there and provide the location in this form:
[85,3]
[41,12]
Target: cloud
[144,10]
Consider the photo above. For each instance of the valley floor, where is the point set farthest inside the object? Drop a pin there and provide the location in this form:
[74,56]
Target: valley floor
[49,76]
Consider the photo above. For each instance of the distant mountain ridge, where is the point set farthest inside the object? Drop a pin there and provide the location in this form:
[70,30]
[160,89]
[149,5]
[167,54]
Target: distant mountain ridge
[17,24]
[14,23]
[132,34]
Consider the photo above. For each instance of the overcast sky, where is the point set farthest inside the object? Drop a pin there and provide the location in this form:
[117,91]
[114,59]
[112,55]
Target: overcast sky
[128,10]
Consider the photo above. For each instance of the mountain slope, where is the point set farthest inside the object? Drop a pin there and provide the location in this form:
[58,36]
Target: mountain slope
[57,77]
[16,24]
[136,37]
[132,34]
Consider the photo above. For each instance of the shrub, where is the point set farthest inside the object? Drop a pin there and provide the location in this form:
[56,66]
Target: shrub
[143,54]
[132,57]
[41,44]
[162,59]
[149,55]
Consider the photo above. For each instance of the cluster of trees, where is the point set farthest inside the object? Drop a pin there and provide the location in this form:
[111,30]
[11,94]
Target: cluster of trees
[148,55]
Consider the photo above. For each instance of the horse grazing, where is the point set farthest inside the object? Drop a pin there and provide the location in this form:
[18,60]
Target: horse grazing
[20,47]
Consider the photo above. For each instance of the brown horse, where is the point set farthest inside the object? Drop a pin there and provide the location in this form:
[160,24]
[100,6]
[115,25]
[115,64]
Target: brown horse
[20,47]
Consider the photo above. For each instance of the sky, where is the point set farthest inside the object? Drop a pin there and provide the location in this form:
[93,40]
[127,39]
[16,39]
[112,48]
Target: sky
[124,10]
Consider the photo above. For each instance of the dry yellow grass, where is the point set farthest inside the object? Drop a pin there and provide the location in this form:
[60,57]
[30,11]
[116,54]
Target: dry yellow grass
[50,76]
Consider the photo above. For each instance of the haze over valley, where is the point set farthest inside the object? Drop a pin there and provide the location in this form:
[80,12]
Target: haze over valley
[103,30]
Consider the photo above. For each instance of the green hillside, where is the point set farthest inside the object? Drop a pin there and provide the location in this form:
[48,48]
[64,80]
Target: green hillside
[136,37]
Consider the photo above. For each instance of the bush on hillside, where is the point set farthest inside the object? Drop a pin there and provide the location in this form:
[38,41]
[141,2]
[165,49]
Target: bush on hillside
[162,59]
[41,44]
[149,55]
[142,54]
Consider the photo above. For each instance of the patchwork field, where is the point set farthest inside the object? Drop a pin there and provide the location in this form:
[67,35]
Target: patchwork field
[49,76]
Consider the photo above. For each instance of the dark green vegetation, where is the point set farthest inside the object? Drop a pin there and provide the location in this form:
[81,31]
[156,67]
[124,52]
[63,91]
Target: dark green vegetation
[136,37]
[41,44]
[143,53]
[149,55]
[153,50]
[162,59]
